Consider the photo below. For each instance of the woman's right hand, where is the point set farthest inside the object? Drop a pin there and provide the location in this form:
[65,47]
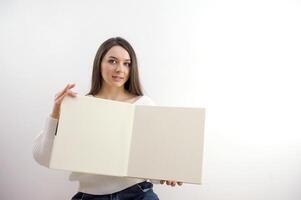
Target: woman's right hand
[59,98]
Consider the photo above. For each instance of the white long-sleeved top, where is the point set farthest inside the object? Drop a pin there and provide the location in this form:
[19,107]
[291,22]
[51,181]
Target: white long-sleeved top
[88,183]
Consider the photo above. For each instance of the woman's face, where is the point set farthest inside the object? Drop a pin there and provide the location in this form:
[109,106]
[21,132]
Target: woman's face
[115,67]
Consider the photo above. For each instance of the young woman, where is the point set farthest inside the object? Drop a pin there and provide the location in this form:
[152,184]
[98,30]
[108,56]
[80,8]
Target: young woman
[115,76]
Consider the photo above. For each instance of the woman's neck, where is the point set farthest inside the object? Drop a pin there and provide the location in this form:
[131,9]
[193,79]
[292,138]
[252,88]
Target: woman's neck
[114,93]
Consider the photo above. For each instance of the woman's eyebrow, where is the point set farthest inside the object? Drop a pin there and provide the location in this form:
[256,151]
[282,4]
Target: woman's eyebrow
[118,59]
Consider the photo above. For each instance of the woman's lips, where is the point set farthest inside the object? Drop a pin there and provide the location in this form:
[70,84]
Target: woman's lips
[117,78]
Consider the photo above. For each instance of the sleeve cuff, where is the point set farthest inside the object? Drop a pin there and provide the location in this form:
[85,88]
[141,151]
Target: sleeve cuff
[50,126]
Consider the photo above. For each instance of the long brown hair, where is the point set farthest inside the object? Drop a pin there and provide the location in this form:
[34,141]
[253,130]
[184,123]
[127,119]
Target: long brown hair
[133,83]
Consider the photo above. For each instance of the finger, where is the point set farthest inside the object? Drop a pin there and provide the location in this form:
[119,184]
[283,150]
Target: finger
[162,181]
[61,92]
[72,94]
[69,86]
[180,183]
[59,100]
[168,182]
[68,92]
[173,183]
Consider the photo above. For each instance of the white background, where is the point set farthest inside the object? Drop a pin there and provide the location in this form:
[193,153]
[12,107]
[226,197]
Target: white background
[238,59]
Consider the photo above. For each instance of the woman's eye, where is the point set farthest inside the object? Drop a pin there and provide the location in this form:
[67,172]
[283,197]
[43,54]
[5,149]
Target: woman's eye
[112,61]
[127,64]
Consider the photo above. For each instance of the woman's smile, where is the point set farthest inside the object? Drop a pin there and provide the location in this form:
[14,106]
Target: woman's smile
[117,78]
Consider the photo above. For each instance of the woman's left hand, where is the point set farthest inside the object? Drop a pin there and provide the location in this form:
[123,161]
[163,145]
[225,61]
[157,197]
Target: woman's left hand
[171,182]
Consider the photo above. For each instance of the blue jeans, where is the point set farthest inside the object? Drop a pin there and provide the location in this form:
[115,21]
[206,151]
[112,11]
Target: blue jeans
[140,191]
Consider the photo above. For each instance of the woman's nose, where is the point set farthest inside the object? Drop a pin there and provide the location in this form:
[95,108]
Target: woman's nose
[119,67]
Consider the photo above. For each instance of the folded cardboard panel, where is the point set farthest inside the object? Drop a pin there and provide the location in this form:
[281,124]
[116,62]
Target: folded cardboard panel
[114,138]
[93,136]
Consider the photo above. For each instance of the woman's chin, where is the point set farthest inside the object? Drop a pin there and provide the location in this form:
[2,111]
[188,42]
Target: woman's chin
[119,84]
